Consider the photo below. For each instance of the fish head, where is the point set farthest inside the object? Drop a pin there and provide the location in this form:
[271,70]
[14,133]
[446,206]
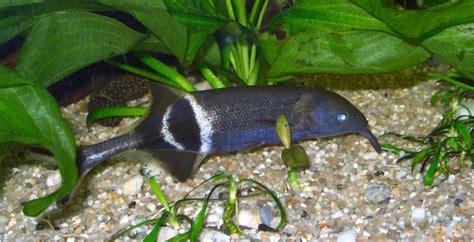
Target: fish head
[334,115]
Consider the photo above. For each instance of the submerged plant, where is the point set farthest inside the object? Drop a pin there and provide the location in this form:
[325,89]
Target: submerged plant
[231,42]
[170,216]
[450,141]
[294,156]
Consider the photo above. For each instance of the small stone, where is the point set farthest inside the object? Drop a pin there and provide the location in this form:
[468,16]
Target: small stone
[337,215]
[151,207]
[457,201]
[348,235]
[377,193]
[133,186]
[166,233]
[451,178]
[54,179]
[124,220]
[212,235]
[3,221]
[400,174]
[266,214]
[249,219]
[370,155]
[149,170]
[418,214]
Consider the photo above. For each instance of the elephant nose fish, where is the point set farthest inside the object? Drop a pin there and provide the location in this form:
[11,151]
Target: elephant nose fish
[181,129]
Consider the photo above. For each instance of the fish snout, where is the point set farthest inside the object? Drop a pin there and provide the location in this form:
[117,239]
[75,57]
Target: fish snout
[373,140]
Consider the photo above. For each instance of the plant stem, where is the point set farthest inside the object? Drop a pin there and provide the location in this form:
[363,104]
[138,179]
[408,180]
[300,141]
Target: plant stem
[141,72]
[253,13]
[211,78]
[230,9]
[165,70]
[453,82]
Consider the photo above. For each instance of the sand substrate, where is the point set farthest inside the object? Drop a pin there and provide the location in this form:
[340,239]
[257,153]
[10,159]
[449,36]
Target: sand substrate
[350,192]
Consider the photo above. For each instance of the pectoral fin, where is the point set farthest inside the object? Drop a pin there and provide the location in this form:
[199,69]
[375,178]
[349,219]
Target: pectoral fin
[180,164]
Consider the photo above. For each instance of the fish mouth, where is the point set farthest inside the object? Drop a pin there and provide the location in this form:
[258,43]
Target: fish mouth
[375,143]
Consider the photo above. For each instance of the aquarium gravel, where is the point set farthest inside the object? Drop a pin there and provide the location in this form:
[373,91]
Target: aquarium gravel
[350,193]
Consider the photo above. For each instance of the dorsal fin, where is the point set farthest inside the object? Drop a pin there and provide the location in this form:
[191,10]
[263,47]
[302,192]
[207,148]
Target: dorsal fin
[163,96]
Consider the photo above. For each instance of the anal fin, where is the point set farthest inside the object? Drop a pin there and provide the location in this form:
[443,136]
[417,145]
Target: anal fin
[181,164]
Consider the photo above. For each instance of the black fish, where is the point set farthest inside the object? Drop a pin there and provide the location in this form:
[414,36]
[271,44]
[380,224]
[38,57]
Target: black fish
[182,128]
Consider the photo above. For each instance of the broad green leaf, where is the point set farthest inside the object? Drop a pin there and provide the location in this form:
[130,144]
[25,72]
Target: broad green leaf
[328,16]
[455,46]
[421,23]
[345,52]
[151,43]
[12,3]
[16,17]
[64,42]
[30,115]
[154,16]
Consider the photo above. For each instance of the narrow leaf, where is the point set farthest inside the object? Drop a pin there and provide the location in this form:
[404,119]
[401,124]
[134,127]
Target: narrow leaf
[430,174]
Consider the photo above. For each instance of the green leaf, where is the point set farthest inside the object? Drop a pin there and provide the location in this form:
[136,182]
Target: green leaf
[424,23]
[455,46]
[419,157]
[430,174]
[30,115]
[283,130]
[328,16]
[345,52]
[64,42]
[153,15]
[391,148]
[295,157]
[465,135]
[158,193]
[16,17]
[115,112]
[275,199]
[153,235]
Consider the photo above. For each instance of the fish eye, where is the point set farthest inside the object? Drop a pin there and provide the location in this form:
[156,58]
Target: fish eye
[341,117]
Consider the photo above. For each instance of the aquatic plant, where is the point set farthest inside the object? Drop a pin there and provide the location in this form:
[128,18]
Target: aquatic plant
[450,141]
[228,41]
[224,183]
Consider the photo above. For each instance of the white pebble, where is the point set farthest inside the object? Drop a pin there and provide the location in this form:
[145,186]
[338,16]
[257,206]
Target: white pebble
[212,235]
[337,215]
[3,221]
[418,214]
[133,185]
[249,219]
[151,207]
[465,110]
[400,174]
[124,220]
[370,155]
[348,235]
[451,178]
[54,179]
[166,233]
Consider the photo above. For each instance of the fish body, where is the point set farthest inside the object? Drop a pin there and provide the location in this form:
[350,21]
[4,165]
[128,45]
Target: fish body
[182,128]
